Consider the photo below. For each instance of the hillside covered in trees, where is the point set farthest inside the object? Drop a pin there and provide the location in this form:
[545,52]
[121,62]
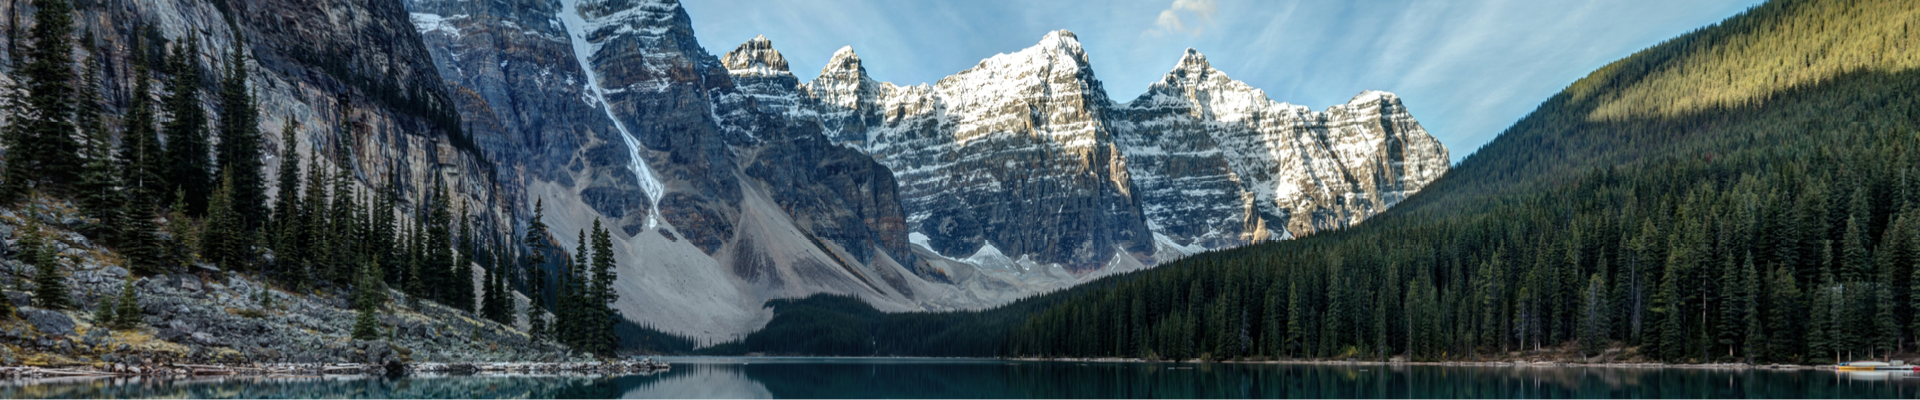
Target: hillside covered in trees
[1747,192]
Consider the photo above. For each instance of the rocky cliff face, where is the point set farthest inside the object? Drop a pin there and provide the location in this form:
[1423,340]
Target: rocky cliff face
[353,75]
[733,181]
[1024,153]
[610,110]
[1219,164]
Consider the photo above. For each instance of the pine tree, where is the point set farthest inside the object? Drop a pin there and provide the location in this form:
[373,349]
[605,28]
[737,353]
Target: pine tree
[315,229]
[573,312]
[439,247]
[49,284]
[1855,262]
[601,295]
[39,139]
[103,312]
[368,294]
[127,311]
[536,242]
[141,155]
[220,238]
[238,155]
[286,202]
[1785,317]
[341,260]
[385,234]
[188,169]
[1672,313]
[1594,323]
[99,188]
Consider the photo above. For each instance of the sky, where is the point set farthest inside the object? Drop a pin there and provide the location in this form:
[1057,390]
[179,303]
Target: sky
[1466,69]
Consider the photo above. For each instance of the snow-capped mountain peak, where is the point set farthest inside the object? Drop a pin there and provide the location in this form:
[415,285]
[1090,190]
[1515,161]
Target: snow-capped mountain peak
[756,58]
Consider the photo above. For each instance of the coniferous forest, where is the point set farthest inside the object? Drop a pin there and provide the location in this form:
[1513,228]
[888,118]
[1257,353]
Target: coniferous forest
[177,181]
[1748,192]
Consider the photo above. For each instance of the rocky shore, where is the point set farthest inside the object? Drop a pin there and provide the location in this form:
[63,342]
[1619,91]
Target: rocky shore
[199,316]
[310,370]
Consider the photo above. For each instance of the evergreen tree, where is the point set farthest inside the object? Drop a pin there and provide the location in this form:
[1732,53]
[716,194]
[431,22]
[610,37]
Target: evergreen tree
[103,312]
[238,155]
[536,242]
[1594,323]
[600,294]
[315,228]
[141,155]
[439,258]
[39,138]
[221,238]
[342,263]
[99,188]
[188,169]
[368,294]
[286,202]
[49,284]
[127,311]
[573,313]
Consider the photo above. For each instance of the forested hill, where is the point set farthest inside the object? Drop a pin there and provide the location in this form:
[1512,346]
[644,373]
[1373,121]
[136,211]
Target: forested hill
[1745,192]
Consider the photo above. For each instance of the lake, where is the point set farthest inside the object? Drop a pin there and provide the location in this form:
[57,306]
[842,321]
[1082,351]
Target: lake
[950,378]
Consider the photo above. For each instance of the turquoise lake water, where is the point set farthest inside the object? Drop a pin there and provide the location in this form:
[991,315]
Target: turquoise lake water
[949,378]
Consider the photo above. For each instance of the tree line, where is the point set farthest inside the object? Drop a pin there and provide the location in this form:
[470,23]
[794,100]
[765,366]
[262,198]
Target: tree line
[1783,228]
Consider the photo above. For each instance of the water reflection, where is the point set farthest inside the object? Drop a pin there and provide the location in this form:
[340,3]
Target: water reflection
[923,378]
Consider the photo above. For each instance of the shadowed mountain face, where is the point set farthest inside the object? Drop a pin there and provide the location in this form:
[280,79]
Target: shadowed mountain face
[380,112]
[733,182]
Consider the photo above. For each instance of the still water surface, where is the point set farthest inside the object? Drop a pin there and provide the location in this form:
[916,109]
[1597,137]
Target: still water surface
[948,378]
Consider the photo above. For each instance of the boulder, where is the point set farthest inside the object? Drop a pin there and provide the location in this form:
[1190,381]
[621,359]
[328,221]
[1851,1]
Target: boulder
[48,322]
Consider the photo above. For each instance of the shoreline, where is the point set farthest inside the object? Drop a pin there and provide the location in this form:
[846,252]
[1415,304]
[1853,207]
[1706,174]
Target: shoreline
[310,370]
[1529,364]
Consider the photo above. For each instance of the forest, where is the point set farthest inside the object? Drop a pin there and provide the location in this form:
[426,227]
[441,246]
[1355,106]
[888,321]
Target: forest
[170,182]
[1743,193]
[1747,192]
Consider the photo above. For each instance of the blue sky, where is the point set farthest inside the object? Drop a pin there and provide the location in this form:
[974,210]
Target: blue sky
[1465,68]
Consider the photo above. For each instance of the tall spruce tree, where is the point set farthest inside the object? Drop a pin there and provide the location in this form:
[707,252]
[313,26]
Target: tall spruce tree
[238,154]
[188,169]
[536,242]
[141,156]
[40,135]
[342,263]
[99,189]
[315,228]
[600,295]
[286,202]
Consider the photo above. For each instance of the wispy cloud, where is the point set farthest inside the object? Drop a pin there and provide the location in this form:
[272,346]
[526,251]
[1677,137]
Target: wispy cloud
[1185,16]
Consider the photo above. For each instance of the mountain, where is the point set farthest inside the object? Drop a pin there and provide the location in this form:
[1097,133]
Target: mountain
[734,182]
[610,110]
[1741,193]
[384,109]
[1024,156]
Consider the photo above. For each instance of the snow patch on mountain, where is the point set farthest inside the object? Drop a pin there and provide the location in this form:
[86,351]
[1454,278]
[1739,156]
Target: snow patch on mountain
[583,52]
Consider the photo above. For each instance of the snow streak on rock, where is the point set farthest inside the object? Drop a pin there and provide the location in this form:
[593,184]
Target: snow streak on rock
[583,50]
